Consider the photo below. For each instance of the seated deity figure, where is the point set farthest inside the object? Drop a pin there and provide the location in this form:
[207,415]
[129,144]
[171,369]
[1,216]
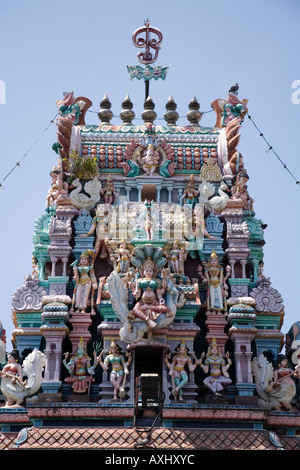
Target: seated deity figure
[216,283]
[283,387]
[80,369]
[119,369]
[178,372]
[85,281]
[216,367]
[149,160]
[239,190]
[22,379]
[149,291]
[59,190]
[12,374]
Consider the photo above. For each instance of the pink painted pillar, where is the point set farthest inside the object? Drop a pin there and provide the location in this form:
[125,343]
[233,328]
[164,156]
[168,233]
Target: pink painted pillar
[53,351]
[216,324]
[80,323]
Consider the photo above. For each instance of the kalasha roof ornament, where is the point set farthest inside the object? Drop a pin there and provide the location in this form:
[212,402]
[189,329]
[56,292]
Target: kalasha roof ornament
[147,57]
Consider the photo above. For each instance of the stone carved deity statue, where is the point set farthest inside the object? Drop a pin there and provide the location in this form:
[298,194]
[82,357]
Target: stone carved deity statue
[216,367]
[85,280]
[283,386]
[21,383]
[216,284]
[119,369]
[239,190]
[190,194]
[157,298]
[275,388]
[100,225]
[123,255]
[80,368]
[181,364]
[176,257]
[149,160]
[149,291]
[109,193]
[58,193]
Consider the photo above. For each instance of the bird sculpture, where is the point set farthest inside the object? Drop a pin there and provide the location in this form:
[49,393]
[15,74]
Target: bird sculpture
[79,199]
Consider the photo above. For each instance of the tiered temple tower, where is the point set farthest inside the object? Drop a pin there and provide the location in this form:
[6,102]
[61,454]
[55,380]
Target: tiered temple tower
[147,275]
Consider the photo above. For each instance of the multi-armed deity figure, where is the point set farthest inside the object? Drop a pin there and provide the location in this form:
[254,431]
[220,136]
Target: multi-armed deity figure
[156,296]
[149,291]
[149,160]
[85,280]
[216,283]
[180,362]
[80,368]
[216,367]
[119,369]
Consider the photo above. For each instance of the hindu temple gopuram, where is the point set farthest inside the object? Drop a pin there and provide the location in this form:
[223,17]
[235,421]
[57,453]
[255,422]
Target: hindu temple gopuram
[147,321]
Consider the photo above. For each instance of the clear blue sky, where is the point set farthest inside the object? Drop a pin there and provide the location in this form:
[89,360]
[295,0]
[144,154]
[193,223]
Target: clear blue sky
[48,47]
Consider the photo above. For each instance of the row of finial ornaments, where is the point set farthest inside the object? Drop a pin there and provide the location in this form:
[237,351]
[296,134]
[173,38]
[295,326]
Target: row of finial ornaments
[149,115]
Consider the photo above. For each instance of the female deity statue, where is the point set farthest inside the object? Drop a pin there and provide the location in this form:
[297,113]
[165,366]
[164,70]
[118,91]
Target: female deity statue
[119,369]
[239,190]
[177,256]
[177,367]
[123,257]
[109,193]
[150,160]
[58,194]
[149,289]
[20,383]
[216,367]
[216,284]
[190,194]
[283,387]
[156,296]
[13,371]
[85,281]
[80,369]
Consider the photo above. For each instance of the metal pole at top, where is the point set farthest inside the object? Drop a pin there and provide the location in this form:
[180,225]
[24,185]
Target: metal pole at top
[147,83]
[148,38]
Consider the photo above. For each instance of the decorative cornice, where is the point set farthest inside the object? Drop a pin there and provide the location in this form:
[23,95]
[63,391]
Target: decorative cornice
[215,414]
[80,412]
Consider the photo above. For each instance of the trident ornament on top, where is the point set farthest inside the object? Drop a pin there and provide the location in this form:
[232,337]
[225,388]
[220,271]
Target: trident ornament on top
[147,57]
